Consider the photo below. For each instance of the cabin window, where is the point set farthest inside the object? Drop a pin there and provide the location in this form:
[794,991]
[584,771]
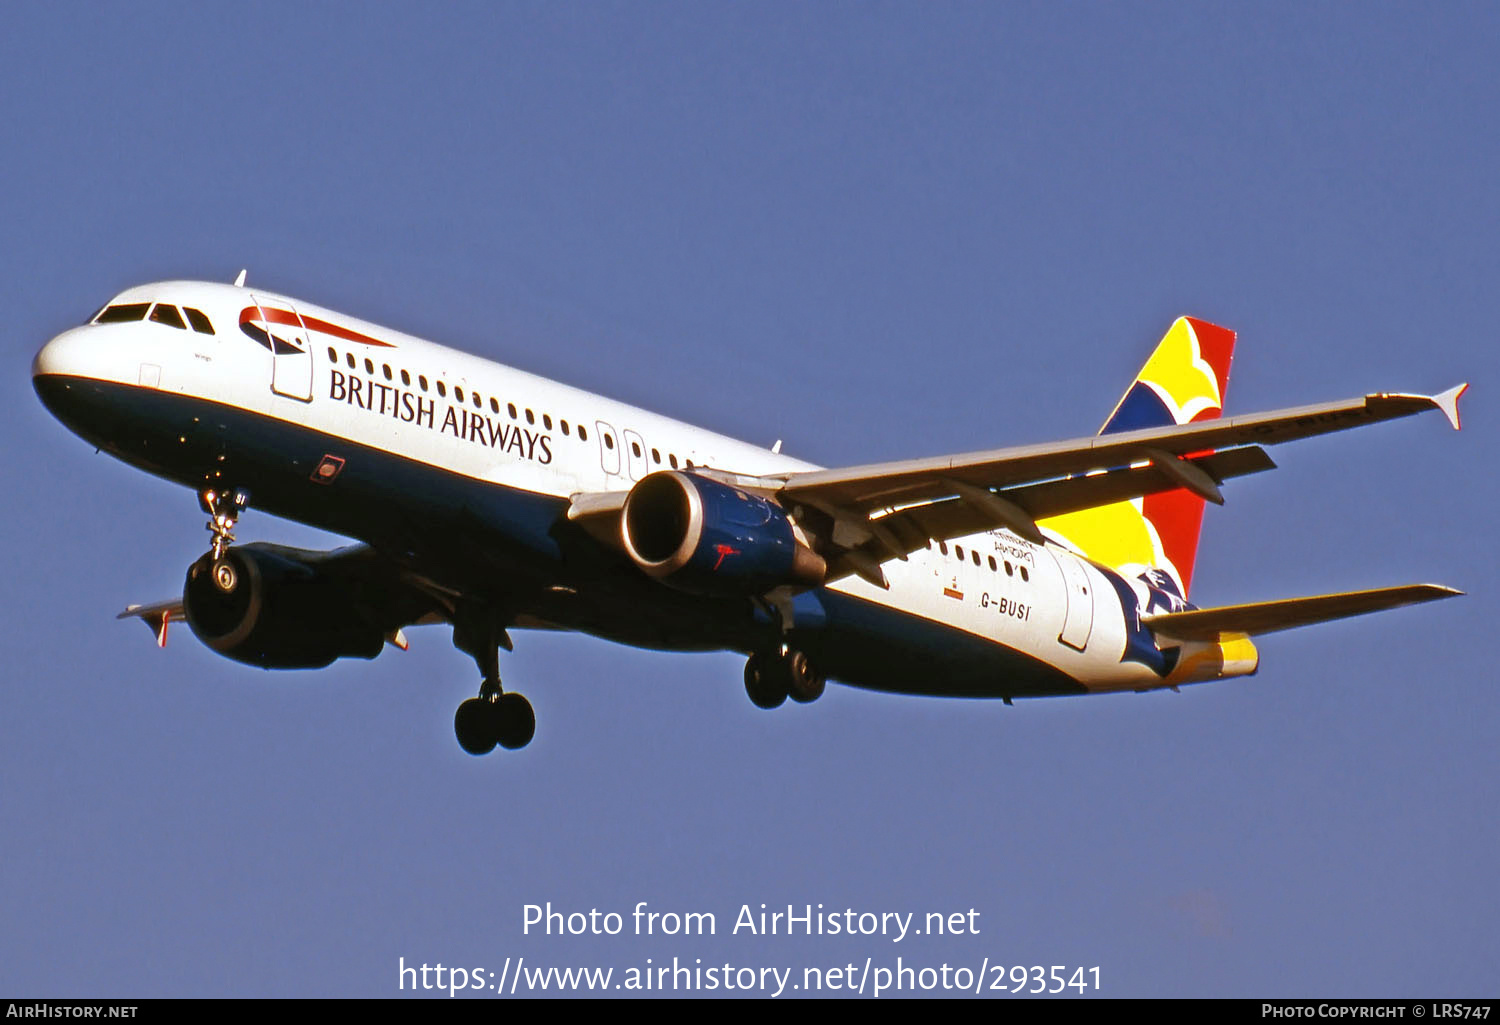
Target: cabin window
[547,421]
[672,458]
[943,547]
[406,378]
[635,449]
[583,433]
[494,405]
[993,567]
[959,551]
[656,457]
[565,428]
[370,367]
[510,407]
[975,556]
[458,393]
[164,314]
[1010,570]
[609,441]
[200,322]
[1024,574]
[478,402]
[122,313]
[333,357]
[387,368]
[349,357]
[442,389]
[530,417]
[422,381]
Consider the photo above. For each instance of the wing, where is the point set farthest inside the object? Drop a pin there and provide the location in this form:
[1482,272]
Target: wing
[865,515]
[1270,616]
[887,510]
[157,617]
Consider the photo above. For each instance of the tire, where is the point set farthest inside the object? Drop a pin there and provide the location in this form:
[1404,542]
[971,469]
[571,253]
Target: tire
[473,724]
[765,681]
[515,721]
[804,683]
[226,577]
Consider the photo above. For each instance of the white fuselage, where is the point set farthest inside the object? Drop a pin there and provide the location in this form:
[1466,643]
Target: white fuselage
[500,426]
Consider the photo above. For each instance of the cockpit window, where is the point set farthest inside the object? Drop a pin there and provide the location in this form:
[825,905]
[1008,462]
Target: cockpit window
[123,312]
[200,322]
[164,314]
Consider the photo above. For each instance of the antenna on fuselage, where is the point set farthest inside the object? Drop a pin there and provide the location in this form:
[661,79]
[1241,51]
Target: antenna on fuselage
[239,282]
[776,448]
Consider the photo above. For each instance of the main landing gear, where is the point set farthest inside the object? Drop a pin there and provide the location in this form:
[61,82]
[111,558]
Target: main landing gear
[494,718]
[773,676]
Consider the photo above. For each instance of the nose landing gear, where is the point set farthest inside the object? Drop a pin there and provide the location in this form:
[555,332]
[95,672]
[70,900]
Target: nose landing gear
[223,506]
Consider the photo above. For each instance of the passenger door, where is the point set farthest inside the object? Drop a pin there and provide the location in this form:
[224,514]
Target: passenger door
[291,349]
[1078,618]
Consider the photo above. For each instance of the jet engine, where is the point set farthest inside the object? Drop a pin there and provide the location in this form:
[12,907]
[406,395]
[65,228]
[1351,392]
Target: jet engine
[270,606]
[706,537]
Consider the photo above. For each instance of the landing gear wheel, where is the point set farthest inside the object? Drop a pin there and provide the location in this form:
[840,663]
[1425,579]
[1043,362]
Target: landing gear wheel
[804,683]
[474,724]
[515,721]
[226,577]
[765,680]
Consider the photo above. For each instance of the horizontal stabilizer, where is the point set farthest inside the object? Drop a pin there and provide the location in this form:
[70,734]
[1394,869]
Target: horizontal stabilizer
[1269,616]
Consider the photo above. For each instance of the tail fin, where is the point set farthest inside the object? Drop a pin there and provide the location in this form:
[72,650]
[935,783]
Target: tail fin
[1184,381]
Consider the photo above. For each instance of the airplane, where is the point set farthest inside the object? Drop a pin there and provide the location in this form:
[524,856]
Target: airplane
[490,500]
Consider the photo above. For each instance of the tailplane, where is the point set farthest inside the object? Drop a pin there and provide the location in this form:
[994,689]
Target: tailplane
[1267,617]
[1183,382]
[1216,643]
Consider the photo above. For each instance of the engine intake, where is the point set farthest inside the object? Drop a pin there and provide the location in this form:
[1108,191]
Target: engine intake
[269,606]
[700,535]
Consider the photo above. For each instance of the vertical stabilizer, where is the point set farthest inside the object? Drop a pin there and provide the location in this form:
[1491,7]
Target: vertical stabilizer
[1183,382]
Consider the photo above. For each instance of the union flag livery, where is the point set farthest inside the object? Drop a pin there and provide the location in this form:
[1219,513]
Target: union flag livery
[1183,382]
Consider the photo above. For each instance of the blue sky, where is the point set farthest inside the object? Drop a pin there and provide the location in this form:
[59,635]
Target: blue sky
[875,231]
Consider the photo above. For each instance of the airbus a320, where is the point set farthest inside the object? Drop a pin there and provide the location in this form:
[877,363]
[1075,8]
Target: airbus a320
[491,500]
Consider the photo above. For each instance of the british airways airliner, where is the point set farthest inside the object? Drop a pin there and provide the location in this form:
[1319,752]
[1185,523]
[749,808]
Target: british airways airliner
[489,499]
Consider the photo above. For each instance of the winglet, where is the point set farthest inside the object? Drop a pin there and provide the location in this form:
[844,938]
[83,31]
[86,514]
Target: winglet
[1448,402]
[156,617]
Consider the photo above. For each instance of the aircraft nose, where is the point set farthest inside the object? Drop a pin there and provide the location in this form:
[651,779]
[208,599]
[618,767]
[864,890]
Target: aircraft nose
[61,356]
[64,371]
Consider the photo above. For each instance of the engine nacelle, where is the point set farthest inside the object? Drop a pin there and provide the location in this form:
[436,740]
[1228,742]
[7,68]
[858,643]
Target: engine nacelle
[269,606]
[702,536]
